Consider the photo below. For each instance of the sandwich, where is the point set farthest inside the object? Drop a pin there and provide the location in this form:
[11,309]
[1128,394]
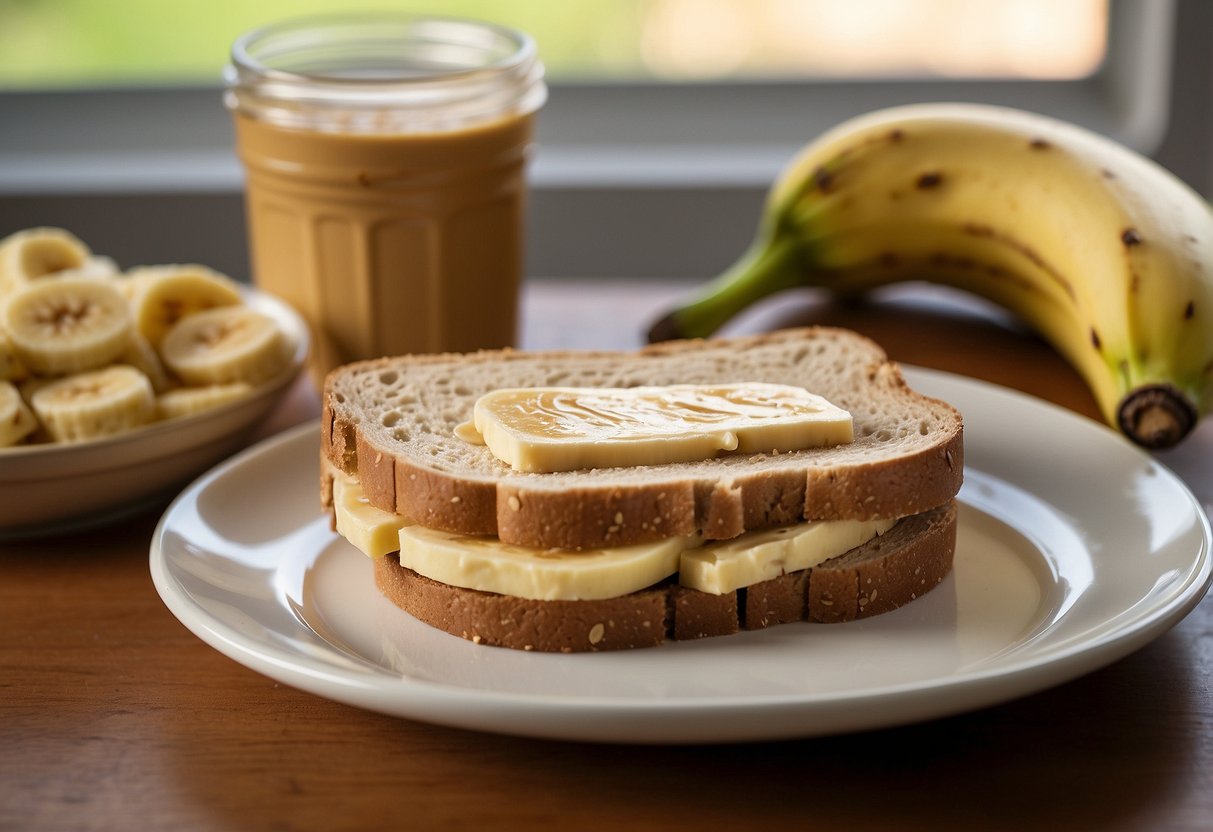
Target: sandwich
[587,501]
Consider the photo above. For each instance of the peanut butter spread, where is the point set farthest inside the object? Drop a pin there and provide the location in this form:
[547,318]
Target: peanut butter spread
[544,429]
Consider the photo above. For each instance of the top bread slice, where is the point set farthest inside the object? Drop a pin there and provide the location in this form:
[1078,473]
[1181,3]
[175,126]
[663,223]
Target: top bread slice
[390,423]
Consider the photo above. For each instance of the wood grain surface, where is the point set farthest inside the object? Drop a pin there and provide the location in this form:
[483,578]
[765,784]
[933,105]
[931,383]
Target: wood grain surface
[113,716]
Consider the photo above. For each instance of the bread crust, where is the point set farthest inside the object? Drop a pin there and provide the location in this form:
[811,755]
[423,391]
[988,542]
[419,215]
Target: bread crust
[635,620]
[903,564]
[899,566]
[615,507]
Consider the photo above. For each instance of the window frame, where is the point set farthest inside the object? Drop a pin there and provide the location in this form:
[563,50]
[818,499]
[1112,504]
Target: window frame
[629,179]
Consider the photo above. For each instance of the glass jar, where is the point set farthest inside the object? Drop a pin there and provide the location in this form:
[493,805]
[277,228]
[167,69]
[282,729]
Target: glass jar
[385,183]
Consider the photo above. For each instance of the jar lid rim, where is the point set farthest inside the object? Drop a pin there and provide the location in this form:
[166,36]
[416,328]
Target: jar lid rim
[245,63]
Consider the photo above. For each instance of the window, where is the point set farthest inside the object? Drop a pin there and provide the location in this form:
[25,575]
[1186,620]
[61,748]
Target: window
[46,44]
[667,120]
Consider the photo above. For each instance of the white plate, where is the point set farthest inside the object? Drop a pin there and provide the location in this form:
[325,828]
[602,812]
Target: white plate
[56,488]
[1074,550]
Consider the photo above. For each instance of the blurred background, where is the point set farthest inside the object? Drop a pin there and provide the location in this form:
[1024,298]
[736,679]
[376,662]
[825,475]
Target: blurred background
[90,43]
[667,119]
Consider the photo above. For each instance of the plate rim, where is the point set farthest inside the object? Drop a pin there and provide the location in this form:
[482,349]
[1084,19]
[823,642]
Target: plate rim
[444,703]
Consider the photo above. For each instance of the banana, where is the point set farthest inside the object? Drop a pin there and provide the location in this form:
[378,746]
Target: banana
[230,343]
[95,404]
[143,357]
[186,401]
[11,368]
[67,325]
[16,420]
[162,295]
[1107,255]
[37,252]
[32,385]
[95,265]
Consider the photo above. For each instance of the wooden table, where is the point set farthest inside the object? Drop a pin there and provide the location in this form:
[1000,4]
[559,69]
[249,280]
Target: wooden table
[113,716]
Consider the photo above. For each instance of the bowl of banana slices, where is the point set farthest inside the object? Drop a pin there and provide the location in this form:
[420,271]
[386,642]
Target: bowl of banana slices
[116,388]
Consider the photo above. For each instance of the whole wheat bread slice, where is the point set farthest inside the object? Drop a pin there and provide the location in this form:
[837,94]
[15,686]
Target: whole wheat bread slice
[904,563]
[390,423]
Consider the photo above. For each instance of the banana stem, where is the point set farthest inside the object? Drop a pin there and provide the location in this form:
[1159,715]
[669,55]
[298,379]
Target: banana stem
[1156,416]
[770,265]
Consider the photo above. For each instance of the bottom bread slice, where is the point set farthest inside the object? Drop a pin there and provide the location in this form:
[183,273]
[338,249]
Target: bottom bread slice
[888,571]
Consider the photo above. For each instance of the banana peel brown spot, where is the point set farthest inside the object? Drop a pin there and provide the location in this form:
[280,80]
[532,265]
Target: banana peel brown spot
[1039,144]
[823,179]
[1095,339]
[1130,237]
[1189,310]
[931,179]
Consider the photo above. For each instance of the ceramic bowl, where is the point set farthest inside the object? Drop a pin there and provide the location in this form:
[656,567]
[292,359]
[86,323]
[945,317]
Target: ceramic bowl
[58,488]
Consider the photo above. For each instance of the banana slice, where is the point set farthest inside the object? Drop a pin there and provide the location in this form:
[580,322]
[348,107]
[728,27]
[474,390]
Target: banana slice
[186,401]
[94,266]
[16,420]
[143,357]
[38,252]
[232,343]
[11,368]
[162,295]
[372,530]
[67,325]
[32,385]
[91,405]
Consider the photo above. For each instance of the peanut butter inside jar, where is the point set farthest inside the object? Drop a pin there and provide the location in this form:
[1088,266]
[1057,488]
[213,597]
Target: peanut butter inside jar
[385,178]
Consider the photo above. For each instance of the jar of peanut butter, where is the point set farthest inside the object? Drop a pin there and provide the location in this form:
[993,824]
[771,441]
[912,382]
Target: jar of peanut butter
[384,158]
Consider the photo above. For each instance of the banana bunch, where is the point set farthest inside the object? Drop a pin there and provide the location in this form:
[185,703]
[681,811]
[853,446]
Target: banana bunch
[1107,255]
[86,352]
